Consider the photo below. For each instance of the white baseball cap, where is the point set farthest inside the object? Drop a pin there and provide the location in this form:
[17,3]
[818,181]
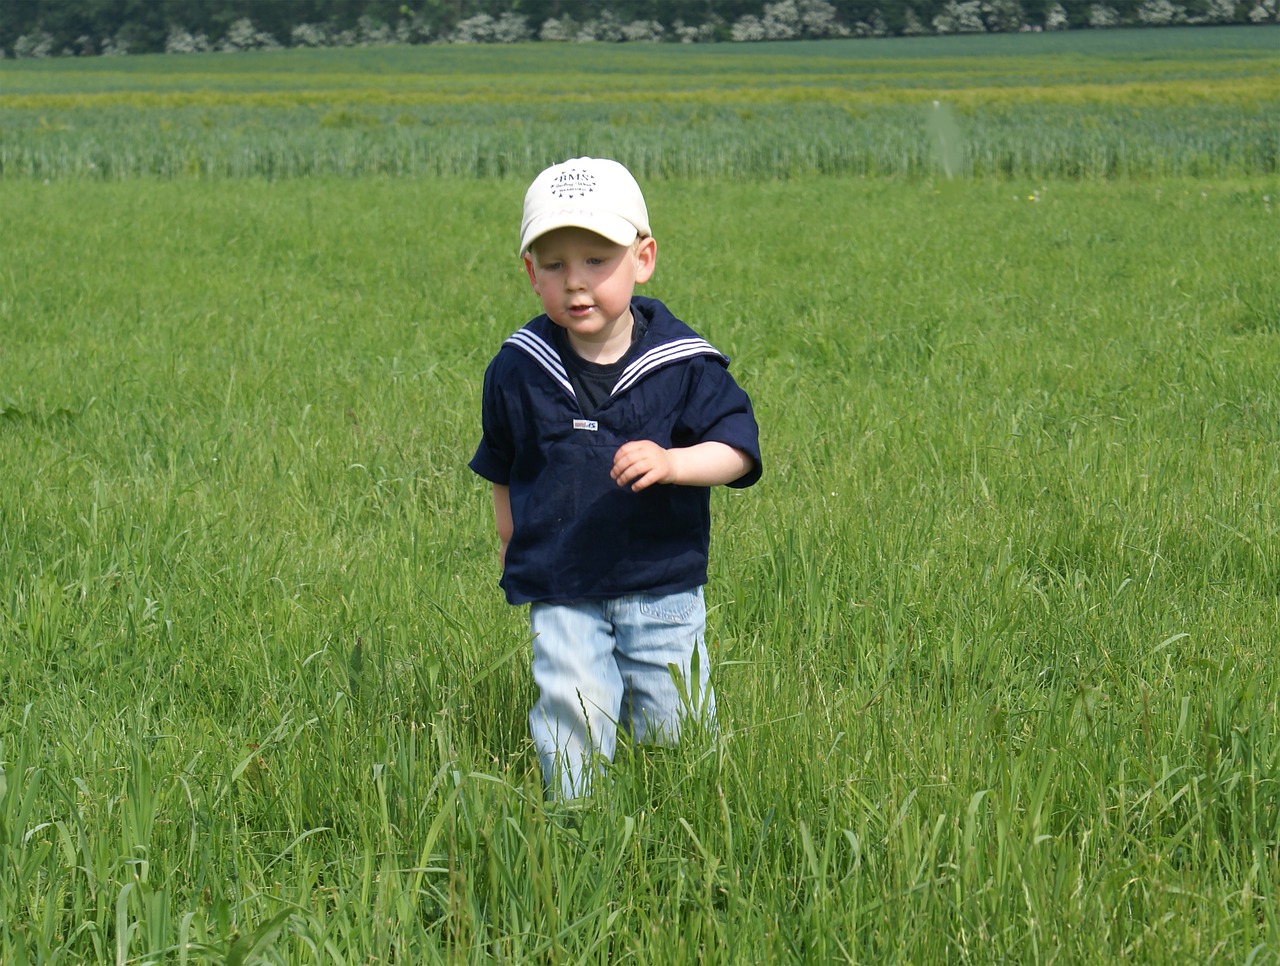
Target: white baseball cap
[592,193]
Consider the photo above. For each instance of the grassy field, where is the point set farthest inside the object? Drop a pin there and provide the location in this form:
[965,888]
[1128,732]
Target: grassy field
[1105,104]
[994,638]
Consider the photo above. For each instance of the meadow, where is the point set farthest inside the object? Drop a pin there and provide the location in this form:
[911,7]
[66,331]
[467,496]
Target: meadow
[1096,105]
[994,638]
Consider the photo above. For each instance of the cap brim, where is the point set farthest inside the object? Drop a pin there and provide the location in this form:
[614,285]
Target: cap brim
[613,227]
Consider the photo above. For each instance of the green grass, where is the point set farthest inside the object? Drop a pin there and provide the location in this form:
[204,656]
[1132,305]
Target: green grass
[994,639]
[1081,105]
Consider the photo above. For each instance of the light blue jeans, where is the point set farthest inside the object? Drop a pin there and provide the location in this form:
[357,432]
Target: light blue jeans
[601,665]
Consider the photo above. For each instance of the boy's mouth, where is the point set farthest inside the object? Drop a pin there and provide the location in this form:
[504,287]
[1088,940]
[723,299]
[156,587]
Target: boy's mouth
[577,311]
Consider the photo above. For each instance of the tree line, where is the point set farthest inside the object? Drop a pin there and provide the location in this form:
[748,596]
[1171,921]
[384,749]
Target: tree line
[50,28]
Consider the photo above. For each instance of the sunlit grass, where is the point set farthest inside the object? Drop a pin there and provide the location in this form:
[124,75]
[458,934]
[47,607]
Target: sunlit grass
[994,637]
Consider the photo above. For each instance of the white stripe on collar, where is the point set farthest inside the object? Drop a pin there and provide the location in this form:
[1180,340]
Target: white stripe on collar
[545,355]
[660,356]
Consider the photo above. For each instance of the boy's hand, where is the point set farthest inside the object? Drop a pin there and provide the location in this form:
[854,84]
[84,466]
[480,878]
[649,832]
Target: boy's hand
[642,463]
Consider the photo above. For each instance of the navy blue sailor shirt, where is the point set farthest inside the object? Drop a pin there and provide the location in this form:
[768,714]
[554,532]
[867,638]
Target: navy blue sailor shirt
[577,534]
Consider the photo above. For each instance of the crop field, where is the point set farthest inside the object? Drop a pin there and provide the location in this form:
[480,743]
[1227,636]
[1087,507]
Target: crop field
[994,638]
[1198,103]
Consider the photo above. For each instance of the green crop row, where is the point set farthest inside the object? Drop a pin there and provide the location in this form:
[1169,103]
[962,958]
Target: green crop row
[1196,103]
[1032,141]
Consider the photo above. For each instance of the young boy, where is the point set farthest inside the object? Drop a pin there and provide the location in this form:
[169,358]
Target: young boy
[606,421]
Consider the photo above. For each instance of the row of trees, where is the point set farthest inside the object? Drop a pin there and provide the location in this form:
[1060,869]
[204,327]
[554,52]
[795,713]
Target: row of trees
[43,28]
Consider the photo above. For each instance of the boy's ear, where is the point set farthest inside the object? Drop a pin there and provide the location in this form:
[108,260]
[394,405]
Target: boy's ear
[646,258]
[528,267]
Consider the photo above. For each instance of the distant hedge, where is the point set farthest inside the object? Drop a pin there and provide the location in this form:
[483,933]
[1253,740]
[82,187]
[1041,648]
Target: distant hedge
[53,28]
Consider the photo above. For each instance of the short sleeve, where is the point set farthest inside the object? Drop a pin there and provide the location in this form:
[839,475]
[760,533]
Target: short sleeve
[496,452]
[719,410]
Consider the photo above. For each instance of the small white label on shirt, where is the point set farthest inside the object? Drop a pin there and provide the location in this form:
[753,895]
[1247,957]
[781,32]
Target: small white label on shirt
[587,424]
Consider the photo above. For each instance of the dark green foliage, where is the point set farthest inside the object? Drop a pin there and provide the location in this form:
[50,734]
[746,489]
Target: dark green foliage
[141,26]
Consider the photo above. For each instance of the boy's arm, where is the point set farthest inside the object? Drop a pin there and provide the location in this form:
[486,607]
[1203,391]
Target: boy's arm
[502,516]
[642,463]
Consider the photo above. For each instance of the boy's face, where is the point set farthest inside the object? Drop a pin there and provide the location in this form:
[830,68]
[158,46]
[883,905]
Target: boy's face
[586,281]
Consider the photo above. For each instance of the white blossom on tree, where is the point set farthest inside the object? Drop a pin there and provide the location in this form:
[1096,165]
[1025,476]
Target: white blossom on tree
[818,19]
[1101,16]
[512,28]
[913,26]
[1220,11]
[960,17]
[309,35]
[781,21]
[115,47]
[746,29]
[643,31]
[509,28]
[243,35]
[704,33]
[372,32]
[607,28]
[558,29]
[1003,16]
[1055,17]
[789,20]
[179,40]
[33,46]
[873,26]
[1265,11]
[1161,13]
[474,30]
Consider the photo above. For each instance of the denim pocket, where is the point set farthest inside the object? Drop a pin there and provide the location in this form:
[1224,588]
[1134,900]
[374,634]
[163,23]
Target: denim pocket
[672,608]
